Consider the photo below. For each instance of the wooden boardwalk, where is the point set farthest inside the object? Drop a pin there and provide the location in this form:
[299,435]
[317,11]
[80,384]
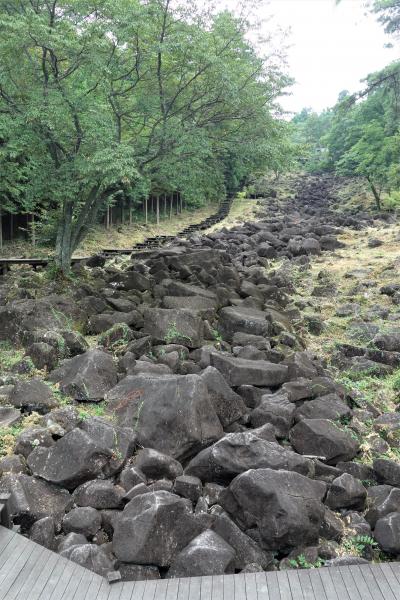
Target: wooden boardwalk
[30,572]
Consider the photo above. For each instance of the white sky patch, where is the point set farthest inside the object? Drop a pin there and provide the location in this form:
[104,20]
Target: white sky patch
[332,48]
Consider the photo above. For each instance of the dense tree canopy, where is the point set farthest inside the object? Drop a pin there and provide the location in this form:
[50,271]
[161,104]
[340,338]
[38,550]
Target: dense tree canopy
[106,97]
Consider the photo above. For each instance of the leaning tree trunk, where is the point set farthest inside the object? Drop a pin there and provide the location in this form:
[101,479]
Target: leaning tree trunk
[375,193]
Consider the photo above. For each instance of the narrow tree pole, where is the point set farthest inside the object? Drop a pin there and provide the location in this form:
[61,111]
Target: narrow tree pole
[33,229]
[181,198]
[130,211]
[177,204]
[158,208]
[146,210]
[165,206]
[171,201]
[1,228]
[11,226]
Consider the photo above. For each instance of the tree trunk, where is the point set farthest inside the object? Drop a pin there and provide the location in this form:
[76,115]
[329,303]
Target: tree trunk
[1,228]
[130,212]
[145,210]
[63,242]
[33,230]
[171,201]
[165,206]
[158,208]
[375,193]
[11,226]
[177,205]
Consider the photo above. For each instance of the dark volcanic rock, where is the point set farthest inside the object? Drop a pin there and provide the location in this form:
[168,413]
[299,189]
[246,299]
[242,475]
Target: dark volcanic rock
[87,377]
[207,554]
[170,413]
[239,371]
[239,452]
[177,326]
[155,465]
[153,528]
[346,492]
[33,395]
[85,520]
[33,499]
[92,557]
[74,459]
[228,405]
[320,437]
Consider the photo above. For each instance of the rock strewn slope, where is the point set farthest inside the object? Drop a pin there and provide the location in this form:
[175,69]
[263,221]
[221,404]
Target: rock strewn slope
[199,436]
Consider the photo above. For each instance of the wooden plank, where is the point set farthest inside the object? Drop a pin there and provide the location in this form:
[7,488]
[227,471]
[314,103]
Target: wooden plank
[24,582]
[68,572]
[161,589]
[150,590]
[139,590]
[273,586]
[11,590]
[306,585]
[94,587]
[218,587]
[251,587]
[295,586]
[284,585]
[126,589]
[73,584]
[12,549]
[390,577]
[395,567]
[349,583]
[87,578]
[6,535]
[44,576]
[261,587]
[103,592]
[183,590]
[339,584]
[383,583]
[13,565]
[171,592]
[206,588]
[229,587]
[373,583]
[360,582]
[240,587]
[52,582]
[328,584]
[195,588]
[317,584]
[115,591]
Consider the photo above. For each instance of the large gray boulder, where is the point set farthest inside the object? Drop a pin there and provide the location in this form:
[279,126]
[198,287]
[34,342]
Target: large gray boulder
[176,326]
[33,499]
[169,413]
[277,410]
[110,437]
[387,533]
[234,319]
[387,471]
[323,438]
[239,371]
[283,507]
[99,494]
[87,377]
[228,405]
[207,554]
[32,395]
[153,528]
[92,557]
[238,452]
[74,459]
[346,492]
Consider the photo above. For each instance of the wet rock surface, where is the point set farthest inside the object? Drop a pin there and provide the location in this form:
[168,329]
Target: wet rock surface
[201,432]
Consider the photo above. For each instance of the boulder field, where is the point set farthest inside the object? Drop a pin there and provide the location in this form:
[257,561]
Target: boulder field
[166,419]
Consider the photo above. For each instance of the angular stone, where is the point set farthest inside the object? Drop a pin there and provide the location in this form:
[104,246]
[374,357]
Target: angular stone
[33,499]
[387,471]
[239,371]
[387,533]
[33,395]
[92,557]
[276,410]
[228,405]
[153,528]
[188,487]
[84,519]
[87,377]
[99,494]
[238,452]
[208,554]
[240,319]
[346,492]
[283,507]
[155,465]
[74,459]
[169,413]
[320,437]
[177,326]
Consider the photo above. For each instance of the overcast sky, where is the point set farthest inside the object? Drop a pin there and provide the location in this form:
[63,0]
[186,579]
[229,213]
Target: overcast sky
[333,47]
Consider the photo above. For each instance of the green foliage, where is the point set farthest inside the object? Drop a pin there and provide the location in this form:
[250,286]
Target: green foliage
[359,544]
[300,562]
[173,335]
[117,98]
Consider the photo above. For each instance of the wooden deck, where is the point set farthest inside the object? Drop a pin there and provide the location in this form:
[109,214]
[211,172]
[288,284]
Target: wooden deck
[30,572]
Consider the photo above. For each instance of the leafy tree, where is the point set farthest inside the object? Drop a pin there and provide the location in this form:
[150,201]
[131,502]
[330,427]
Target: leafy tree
[106,97]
